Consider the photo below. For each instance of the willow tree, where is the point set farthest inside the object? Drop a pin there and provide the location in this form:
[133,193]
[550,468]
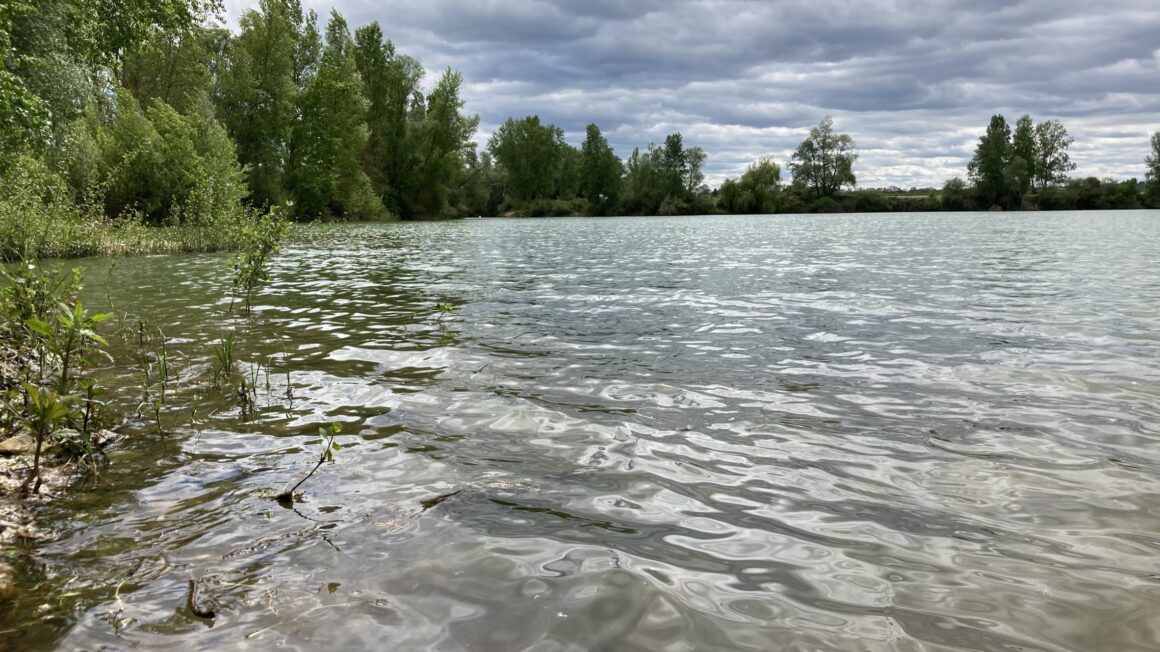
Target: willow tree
[824,162]
[755,192]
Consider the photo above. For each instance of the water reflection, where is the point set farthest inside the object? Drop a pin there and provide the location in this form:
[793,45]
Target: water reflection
[887,433]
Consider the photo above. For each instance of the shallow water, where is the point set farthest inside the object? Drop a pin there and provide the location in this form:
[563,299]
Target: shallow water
[892,432]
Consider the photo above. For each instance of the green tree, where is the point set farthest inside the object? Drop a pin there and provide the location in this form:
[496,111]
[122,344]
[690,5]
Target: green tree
[755,192]
[326,175]
[954,195]
[694,178]
[674,166]
[113,29]
[258,98]
[600,172]
[174,68]
[390,81]
[24,117]
[1153,160]
[1052,160]
[481,191]
[568,180]
[531,153]
[168,167]
[762,181]
[1152,175]
[372,53]
[824,162]
[643,189]
[988,169]
[59,56]
[1024,147]
[731,200]
[440,140]
[665,180]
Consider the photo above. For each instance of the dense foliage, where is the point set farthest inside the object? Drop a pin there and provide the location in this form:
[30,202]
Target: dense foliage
[48,346]
[1008,166]
[119,115]
[115,115]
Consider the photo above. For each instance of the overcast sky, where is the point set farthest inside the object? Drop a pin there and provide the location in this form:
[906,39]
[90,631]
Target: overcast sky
[914,82]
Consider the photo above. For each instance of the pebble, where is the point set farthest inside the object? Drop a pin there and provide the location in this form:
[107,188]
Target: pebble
[17,445]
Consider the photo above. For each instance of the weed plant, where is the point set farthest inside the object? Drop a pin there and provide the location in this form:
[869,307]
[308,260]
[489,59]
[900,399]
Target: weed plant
[49,344]
[259,241]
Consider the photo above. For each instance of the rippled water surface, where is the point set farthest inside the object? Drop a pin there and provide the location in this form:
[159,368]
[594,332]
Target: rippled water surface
[899,432]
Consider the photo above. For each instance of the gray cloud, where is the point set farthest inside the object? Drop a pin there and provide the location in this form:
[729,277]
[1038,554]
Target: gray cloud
[913,83]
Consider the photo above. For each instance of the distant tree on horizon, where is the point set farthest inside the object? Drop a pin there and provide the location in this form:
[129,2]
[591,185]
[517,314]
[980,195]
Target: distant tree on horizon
[755,192]
[989,168]
[532,153]
[1007,166]
[600,171]
[1152,175]
[824,162]
[1052,162]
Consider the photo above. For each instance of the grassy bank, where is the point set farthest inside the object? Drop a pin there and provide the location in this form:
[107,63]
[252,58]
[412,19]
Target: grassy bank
[44,215]
[34,228]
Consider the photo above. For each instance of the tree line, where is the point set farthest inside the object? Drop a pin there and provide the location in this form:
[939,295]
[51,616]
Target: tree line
[1010,170]
[144,110]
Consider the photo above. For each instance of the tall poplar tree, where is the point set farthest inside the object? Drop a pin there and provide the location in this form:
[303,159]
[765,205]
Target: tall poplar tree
[326,175]
[988,168]
[1024,156]
[258,97]
[442,139]
[390,80]
[600,172]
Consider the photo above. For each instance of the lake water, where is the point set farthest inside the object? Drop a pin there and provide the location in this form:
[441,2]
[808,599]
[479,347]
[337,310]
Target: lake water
[888,432]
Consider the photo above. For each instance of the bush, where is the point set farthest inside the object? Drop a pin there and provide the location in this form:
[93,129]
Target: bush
[825,205]
[170,168]
[870,201]
[673,206]
[38,217]
[48,343]
[546,208]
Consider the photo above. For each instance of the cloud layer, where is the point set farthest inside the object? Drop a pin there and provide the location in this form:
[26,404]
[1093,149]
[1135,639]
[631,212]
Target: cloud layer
[914,83]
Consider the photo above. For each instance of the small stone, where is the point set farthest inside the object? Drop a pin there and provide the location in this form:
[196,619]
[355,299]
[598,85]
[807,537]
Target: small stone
[105,438]
[7,582]
[17,445]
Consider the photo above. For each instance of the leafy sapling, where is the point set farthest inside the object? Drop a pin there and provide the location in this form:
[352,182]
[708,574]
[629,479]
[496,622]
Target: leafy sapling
[286,498]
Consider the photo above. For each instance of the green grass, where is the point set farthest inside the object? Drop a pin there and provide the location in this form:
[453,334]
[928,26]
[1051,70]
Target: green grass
[37,236]
[41,218]
[39,230]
